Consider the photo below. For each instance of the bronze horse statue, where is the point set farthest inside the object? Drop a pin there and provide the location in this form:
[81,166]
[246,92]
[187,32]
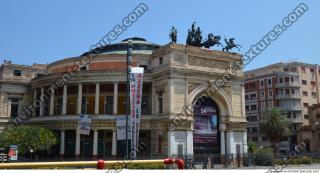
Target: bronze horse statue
[230,45]
[211,41]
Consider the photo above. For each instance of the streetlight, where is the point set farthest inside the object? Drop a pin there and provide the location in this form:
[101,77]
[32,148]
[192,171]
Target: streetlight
[129,54]
[31,152]
[83,144]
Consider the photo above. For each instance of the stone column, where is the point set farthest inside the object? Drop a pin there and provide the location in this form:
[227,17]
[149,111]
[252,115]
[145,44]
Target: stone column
[95,143]
[62,136]
[189,143]
[77,152]
[52,102]
[245,144]
[79,98]
[171,142]
[222,143]
[96,103]
[42,102]
[34,102]
[171,94]
[115,98]
[114,143]
[230,147]
[64,100]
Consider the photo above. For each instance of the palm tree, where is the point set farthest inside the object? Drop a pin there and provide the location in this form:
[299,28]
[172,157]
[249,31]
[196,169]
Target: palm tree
[275,125]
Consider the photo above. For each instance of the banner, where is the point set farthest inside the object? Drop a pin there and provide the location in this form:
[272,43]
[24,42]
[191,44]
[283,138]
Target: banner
[135,104]
[121,128]
[84,125]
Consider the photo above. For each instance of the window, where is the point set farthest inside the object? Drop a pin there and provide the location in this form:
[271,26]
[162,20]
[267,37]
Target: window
[253,96]
[305,93]
[247,108]
[253,107]
[255,139]
[160,60]
[285,69]
[84,105]
[261,83]
[270,93]
[293,69]
[269,81]
[14,107]
[264,138]
[270,103]
[318,115]
[248,129]
[311,70]
[313,83]
[303,69]
[304,82]
[59,106]
[144,106]
[262,94]
[305,105]
[254,129]
[83,68]
[263,105]
[280,80]
[160,100]
[145,67]
[246,97]
[17,72]
[306,116]
[314,94]
[109,105]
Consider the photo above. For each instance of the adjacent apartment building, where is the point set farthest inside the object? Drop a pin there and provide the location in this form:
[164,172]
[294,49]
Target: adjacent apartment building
[292,87]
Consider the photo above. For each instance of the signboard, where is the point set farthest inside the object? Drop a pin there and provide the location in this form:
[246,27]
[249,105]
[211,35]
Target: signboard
[135,103]
[206,124]
[84,125]
[13,152]
[121,128]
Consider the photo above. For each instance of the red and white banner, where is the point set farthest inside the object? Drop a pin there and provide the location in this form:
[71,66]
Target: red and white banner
[135,103]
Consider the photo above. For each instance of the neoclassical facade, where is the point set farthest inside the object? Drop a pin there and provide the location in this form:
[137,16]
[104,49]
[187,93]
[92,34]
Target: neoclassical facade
[177,79]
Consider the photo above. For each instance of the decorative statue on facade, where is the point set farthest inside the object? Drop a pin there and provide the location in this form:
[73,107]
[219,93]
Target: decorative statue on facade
[194,37]
[211,41]
[173,35]
[230,45]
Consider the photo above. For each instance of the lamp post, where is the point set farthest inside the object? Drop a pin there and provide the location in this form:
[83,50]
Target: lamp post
[31,152]
[129,54]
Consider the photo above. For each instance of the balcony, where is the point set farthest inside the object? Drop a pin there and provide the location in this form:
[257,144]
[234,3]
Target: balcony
[288,96]
[296,120]
[288,84]
[290,108]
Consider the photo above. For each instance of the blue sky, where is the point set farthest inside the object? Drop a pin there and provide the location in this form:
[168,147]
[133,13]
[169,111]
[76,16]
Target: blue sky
[37,31]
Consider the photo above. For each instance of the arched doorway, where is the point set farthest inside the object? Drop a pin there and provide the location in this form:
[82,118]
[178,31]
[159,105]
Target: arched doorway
[206,136]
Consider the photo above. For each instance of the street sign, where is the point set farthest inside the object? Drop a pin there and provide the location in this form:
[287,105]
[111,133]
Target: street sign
[13,152]
[3,157]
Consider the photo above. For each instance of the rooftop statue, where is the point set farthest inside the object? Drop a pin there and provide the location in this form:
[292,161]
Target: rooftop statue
[211,41]
[230,45]
[173,35]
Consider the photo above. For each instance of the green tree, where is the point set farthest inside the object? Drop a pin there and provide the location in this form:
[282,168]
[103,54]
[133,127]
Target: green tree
[252,148]
[28,137]
[275,126]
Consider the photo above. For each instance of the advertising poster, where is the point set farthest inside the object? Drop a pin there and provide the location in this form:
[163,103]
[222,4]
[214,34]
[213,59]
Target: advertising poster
[84,125]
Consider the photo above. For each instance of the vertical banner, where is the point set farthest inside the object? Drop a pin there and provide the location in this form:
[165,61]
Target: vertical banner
[84,125]
[135,100]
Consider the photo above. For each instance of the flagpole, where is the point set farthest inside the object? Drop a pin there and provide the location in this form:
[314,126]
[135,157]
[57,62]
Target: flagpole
[129,54]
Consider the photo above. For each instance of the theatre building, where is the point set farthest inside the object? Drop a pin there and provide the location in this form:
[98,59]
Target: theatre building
[183,113]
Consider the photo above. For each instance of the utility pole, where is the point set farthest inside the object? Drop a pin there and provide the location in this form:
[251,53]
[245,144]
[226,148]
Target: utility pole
[129,54]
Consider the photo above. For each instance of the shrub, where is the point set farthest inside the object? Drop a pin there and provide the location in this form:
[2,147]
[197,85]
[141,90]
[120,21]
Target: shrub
[263,157]
[305,160]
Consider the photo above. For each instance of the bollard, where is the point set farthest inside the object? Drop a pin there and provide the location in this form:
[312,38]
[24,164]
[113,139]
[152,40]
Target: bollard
[100,164]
